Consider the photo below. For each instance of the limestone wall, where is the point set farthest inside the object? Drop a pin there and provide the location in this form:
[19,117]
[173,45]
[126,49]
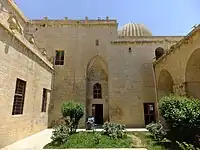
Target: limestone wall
[20,59]
[182,64]
[16,62]
[131,78]
[78,42]
[130,74]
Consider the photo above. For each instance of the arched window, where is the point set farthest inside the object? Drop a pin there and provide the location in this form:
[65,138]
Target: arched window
[97,93]
[159,52]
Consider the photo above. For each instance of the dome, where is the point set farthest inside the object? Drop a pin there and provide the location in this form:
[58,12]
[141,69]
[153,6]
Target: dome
[134,30]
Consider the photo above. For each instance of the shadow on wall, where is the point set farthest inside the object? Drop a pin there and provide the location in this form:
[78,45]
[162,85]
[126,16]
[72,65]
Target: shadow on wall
[192,75]
[165,84]
[6,48]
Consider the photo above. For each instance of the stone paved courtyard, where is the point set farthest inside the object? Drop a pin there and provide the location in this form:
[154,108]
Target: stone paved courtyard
[38,140]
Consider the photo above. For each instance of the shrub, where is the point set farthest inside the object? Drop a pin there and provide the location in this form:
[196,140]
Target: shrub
[157,130]
[185,146]
[72,113]
[60,135]
[182,115]
[114,130]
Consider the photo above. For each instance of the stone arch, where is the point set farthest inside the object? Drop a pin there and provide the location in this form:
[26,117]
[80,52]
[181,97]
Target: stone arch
[159,52]
[192,74]
[165,84]
[97,61]
[97,73]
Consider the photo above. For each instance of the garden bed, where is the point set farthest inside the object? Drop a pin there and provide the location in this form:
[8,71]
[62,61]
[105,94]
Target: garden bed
[114,135]
[90,140]
[133,140]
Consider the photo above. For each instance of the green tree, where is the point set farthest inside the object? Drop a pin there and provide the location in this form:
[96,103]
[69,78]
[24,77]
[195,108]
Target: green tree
[182,116]
[72,112]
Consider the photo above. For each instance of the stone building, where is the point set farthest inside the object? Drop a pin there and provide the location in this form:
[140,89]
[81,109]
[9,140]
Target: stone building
[47,62]
[109,71]
[178,70]
[25,79]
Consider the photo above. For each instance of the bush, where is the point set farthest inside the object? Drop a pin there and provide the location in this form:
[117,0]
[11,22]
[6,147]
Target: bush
[185,146]
[182,116]
[157,130]
[60,135]
[114,130]
[72,113]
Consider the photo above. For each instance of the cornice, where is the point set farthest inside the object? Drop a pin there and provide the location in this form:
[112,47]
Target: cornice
[28,46]
[149,37]
[147,40]
[176,46]
[134,42]
[74,23]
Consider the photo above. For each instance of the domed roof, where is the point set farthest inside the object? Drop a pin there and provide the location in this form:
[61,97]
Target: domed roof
[134,30]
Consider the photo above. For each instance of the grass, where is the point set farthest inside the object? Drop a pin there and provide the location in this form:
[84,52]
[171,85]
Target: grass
[151,144]
[86,140]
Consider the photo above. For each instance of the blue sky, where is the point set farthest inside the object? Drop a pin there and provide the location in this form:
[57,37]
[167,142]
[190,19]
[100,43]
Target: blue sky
[162,17]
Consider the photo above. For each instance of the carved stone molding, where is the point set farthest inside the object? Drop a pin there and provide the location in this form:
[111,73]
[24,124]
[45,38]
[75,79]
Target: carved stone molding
[22,45]
[179,89]
[138,42]
[44,52]
[14,24]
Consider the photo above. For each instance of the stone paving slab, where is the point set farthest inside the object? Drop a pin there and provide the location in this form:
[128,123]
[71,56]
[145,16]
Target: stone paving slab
[33,142]
[39,140]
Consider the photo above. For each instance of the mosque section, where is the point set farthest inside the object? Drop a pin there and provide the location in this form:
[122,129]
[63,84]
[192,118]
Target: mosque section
[117,73]
[109,71]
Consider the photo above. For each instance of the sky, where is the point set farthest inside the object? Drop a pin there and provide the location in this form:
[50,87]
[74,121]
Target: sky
[161,17]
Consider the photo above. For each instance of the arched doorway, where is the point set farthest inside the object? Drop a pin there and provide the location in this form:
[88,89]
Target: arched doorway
[192,75]
[97,90]
[165,84]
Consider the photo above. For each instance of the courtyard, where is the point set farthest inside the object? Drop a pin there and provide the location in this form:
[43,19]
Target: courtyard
[39,140]
[142,88]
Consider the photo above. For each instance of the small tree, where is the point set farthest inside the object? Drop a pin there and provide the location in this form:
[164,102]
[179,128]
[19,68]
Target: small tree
[72,112]
[60,135]
[182,116]
[157,130]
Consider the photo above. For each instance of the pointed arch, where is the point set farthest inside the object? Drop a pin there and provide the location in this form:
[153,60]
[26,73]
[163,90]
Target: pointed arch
[97,88]
[192,74]
[97,67]
[165,84]
[97,60]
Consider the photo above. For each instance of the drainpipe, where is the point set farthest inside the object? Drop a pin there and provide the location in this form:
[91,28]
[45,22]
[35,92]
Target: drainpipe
[156,93]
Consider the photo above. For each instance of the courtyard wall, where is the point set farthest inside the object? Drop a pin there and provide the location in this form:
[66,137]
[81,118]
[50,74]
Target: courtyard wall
[21,60]
[179,66]
[77,38]
[131,77]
